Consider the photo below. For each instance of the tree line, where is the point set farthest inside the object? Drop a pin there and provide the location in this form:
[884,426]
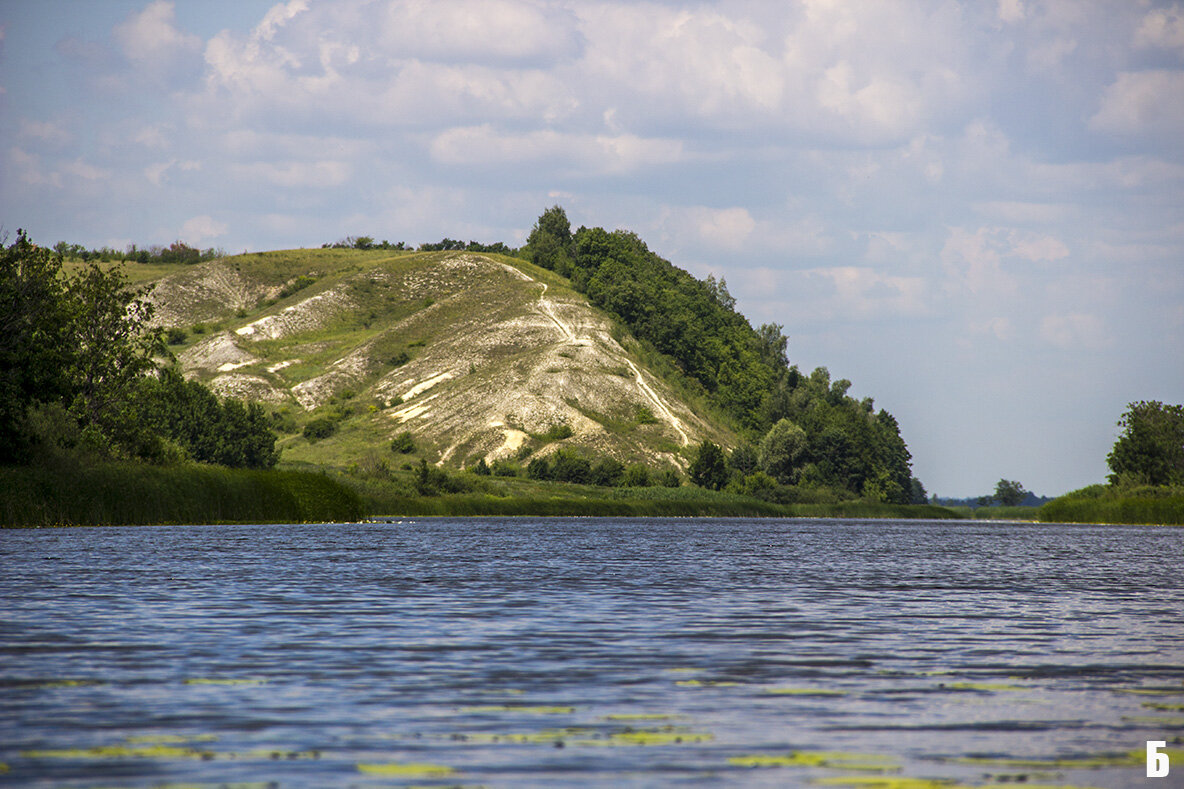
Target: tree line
[83,371]
[177,252]
[809,431]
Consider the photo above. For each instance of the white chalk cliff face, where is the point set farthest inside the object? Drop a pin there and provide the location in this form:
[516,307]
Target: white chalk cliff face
[474,355]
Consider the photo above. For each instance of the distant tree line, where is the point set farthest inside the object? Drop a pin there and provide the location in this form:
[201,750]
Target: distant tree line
[81,372]
[177,252]
[444,245]
[806,428]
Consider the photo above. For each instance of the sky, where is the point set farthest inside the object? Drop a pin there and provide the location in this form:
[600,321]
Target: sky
[974,211]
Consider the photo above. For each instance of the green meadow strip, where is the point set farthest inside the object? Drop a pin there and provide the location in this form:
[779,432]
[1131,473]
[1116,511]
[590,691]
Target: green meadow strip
[137,493]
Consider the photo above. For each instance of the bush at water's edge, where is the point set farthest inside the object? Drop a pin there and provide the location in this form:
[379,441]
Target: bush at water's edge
[1107,504]
[136,494]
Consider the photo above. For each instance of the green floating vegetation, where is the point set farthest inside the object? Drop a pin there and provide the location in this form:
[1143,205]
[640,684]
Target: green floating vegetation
[665,736]
[839,760]
[229,682]
[1152,691]
[64,683]
[902,782]
[521,709]
[1156,705]
[169,752]
[641,716]
[548,736]
[1155,720]
[803,692]
[588,737]
[706,683]
[170,739]
[984,687]
[1135,758]
[407,770]
[891,782]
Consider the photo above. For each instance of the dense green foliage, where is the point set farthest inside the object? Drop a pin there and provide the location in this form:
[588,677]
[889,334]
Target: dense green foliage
[709,469]
[1118,504]
[1150,450]
[1009,492]
[1147,473]
[95,494]
[743,371]
[78,373]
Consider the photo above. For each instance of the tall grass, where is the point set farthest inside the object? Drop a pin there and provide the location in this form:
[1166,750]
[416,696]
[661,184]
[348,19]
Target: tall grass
[136,494]
[1107,504]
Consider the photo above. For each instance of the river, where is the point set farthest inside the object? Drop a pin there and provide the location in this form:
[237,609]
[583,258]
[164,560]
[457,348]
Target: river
[536,652]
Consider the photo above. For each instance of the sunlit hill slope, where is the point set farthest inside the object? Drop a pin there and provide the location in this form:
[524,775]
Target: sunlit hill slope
[475,355]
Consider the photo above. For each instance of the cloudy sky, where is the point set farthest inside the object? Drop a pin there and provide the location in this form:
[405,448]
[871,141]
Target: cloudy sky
[973,210]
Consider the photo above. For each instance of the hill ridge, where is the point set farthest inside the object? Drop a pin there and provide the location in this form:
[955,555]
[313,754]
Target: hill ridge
[476,355]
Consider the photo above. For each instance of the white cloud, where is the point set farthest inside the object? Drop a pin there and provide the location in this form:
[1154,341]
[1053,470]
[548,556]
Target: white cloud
[200,229]
[578,153]
[296,174]
[1140,102]
[1075,331]
[984,261]
[485,31]
[87,172]
[1011,10]
[45,131]
[155,173]
[151,41]
[277,16]
[1162,28]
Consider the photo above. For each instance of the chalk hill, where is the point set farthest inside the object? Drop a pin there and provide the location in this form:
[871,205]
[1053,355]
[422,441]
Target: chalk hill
[475,355]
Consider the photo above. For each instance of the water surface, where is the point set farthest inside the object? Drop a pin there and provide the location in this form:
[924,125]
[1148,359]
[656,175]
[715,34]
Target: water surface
[590,652]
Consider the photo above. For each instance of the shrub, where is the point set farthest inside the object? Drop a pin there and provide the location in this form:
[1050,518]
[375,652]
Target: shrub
[557,432]
[539,469]
[669,478]
[637,476]
[321,427]
[176,335]
[504,468]
[403,443]
[645,416]
[607,473]
[569,466]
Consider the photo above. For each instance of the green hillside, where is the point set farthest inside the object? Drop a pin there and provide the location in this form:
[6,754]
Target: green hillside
[581,374]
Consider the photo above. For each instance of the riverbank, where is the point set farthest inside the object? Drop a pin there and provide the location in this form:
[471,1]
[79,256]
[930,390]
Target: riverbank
[71,493]
[1109,504]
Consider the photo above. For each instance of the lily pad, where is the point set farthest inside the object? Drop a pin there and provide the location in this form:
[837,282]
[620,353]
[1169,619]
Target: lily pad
[521,709]
[408,770]
[804,692]
[833,759]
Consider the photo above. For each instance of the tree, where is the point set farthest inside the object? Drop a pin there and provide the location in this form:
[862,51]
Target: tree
[550,241]
[1150,450]
[34,339]
[709,469]
[782,451]
[1009,492]
[113,347]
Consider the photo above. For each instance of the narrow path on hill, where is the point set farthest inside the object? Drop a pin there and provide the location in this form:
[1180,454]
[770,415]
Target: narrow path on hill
[659,405]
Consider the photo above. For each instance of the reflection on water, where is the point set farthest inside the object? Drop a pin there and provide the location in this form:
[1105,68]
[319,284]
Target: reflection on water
[590,652]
